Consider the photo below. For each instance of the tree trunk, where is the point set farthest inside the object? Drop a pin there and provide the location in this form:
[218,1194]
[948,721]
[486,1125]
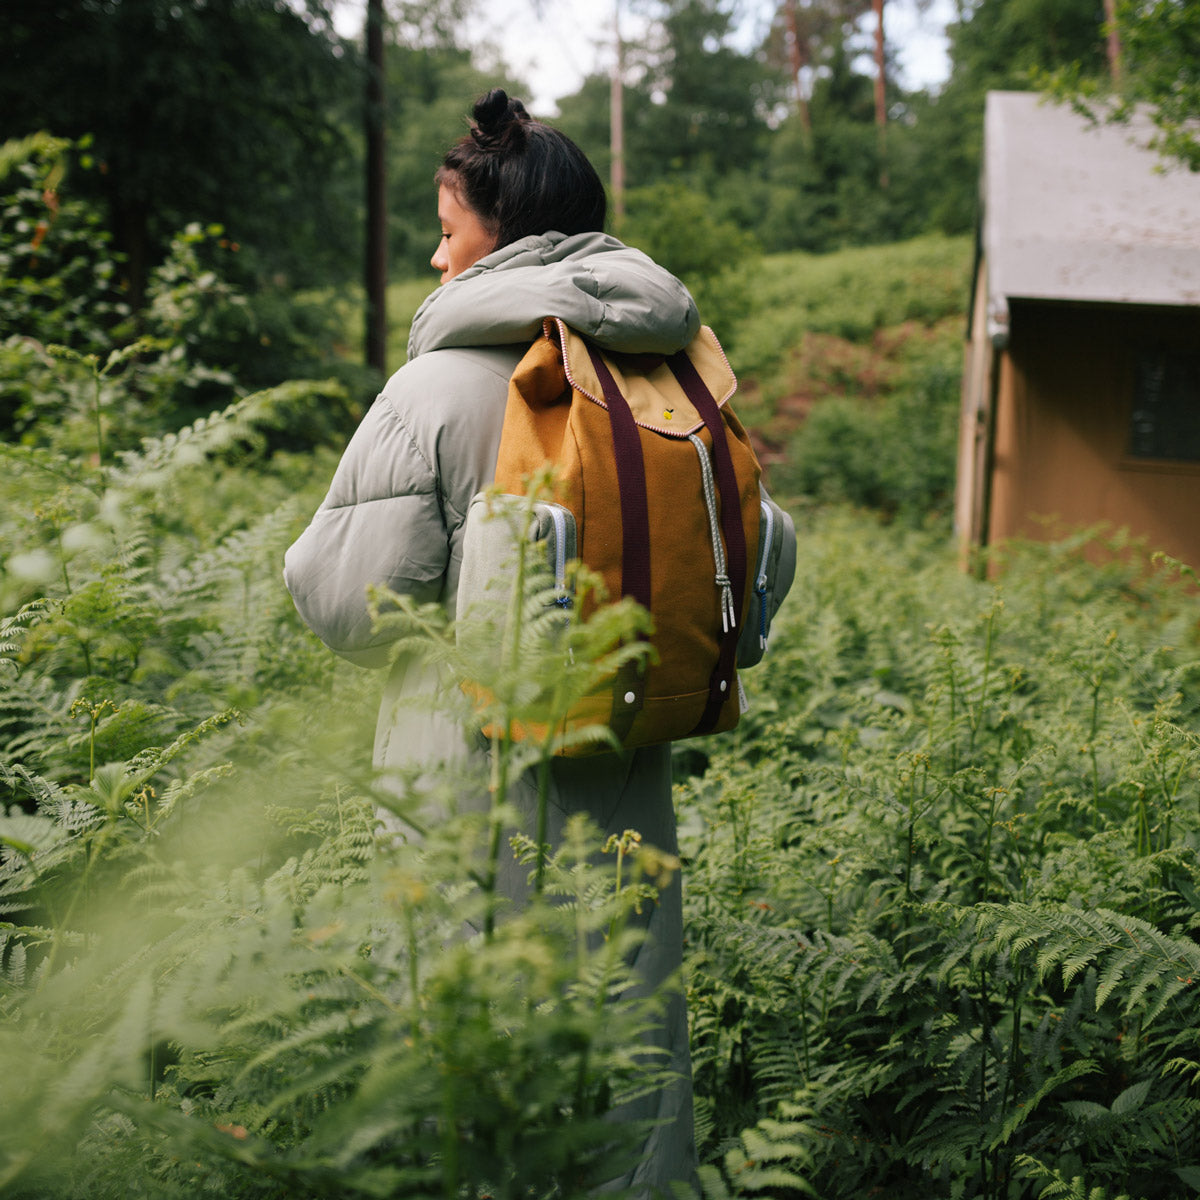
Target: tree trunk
[131,232]
[880,100]
[798,51]
[617,125]
[1114,41]
[376,248]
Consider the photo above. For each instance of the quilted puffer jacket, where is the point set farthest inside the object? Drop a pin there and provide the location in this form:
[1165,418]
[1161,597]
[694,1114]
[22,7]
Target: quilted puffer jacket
[394,516]
[395,509]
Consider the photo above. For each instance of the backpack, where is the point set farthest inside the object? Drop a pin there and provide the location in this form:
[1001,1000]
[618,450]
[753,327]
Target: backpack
[658,493]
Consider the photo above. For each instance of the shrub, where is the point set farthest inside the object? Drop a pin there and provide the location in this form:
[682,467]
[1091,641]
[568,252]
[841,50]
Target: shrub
[59,278]
[896,455]
[674,224]
[211,330]
[941,884]
[213,977]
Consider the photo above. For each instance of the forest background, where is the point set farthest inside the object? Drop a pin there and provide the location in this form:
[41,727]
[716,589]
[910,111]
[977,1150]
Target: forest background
[250,115]
[942,884]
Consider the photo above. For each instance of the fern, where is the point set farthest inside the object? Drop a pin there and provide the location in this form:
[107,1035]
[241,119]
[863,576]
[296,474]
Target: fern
[1056,1187]
[763,1160]
[158,459]
[941,886]
[1145,967]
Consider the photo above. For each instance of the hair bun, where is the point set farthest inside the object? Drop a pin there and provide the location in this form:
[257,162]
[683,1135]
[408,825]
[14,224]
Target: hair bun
[499,121]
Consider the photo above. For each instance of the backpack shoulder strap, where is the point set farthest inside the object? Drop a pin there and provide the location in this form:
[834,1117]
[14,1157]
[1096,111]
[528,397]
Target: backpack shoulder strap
[731,527]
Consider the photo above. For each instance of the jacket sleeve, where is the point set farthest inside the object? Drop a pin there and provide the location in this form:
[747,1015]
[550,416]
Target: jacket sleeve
[382,524]
[615,295]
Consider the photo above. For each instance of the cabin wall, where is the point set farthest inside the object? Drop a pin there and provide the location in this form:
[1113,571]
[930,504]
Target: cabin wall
[969,501]
[1064,404]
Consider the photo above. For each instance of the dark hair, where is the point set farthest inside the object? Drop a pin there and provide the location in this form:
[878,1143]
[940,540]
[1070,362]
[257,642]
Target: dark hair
[520,176]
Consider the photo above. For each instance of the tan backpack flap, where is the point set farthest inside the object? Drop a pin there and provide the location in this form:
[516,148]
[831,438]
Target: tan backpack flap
[536,416]
[650,388]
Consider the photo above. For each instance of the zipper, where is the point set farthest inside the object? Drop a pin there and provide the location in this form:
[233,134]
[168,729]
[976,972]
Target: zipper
[563,599]
[760,583]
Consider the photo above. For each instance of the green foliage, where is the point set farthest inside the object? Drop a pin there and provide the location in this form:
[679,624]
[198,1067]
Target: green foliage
[430,90]
[709,118]
[216,977]
[897,456]
[850,373]
[941,895]
[231,110]
[824,180]
[142,583]
[1161,43]
[1159,48]
[227,334]
[995,45]
[942,887]
[318,1029]
[201,341]
[695,106]
[1058,1188]
[57,267]
[674,224]
[852,294]
[700,114]
[762,1159]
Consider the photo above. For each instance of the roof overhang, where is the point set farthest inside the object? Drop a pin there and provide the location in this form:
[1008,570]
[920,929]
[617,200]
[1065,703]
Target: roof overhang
[1081,212]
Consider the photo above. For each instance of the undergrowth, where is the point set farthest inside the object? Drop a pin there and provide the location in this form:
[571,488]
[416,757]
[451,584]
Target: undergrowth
[216,976]
[942,883]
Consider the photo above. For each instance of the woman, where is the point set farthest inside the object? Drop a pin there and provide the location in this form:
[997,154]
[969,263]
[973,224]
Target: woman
[522,212]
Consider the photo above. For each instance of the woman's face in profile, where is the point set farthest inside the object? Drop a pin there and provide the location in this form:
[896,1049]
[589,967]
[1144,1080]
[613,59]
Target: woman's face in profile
[465,238]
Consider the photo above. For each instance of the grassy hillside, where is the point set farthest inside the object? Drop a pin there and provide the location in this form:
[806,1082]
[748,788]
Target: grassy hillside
[867,297]
[850,366]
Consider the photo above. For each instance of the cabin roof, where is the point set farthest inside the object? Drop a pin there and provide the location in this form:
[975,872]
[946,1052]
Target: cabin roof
[1078,212]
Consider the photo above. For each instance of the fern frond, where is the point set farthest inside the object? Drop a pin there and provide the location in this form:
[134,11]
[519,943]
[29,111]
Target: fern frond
[765,1158]
[1145,966]
[1057,1186]
[1024,1109]
[160,457]
[1183,1066]
[37,460]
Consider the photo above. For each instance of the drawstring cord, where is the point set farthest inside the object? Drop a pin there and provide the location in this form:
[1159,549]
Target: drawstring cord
[724,586]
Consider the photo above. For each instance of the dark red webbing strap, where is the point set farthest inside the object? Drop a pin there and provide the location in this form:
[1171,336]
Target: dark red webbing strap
[629,685]
[631,484]
[731,529]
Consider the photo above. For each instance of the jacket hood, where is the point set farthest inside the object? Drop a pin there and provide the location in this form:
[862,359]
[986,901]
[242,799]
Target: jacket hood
[609,292]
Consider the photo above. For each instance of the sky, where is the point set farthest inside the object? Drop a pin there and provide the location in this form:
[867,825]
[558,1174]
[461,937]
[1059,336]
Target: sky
[573,38]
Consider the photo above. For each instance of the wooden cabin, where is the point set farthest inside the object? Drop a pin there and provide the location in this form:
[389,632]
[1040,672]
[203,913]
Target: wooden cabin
[1081,388]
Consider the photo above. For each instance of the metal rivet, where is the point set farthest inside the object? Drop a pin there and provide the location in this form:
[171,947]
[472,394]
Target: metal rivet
[630,697]
[724,685]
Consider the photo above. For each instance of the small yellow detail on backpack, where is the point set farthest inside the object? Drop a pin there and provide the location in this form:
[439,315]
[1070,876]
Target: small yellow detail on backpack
[668,413]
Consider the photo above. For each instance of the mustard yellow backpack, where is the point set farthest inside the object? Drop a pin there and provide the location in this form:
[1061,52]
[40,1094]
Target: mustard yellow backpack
[658,493]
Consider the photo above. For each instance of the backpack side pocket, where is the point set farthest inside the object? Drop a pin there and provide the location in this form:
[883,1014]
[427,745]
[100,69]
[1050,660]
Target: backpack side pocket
[493,527]
[774,570]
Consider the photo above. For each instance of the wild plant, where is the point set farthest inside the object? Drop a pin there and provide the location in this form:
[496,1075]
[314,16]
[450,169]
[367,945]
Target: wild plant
[325,1028]
[57,265]
[965,940]
[215,975]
